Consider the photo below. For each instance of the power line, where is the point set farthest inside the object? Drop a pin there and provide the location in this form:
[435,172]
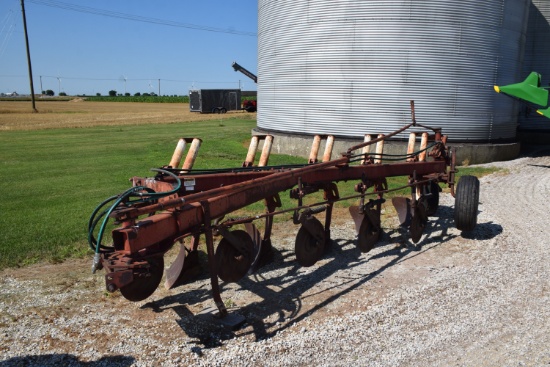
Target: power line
[134,81]
[136,18]
[8,27]
[118,79]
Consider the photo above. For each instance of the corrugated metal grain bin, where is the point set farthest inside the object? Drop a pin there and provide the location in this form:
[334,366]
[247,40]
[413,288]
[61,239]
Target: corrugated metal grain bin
[350,67]
[537,58]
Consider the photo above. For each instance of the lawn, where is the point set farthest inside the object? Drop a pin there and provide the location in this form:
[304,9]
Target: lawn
[52,176]
[52,179]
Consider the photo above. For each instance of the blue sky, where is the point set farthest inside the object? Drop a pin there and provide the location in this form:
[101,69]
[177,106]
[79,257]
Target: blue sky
[79,51]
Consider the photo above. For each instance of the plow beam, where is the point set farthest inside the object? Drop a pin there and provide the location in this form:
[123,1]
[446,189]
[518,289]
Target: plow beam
[172,224]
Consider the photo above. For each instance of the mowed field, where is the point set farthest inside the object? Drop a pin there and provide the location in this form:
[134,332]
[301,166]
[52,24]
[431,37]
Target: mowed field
[18,115]
[58,164]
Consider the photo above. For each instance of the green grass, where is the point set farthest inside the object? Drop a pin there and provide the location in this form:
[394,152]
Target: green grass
[51,180]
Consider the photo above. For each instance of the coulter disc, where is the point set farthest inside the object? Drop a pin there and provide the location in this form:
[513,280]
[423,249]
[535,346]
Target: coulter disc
[368,236]
[419,220]
[145,280]
[310,242]
[231,264]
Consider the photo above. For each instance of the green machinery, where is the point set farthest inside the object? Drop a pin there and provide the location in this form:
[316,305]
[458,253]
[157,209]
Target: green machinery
[529,91]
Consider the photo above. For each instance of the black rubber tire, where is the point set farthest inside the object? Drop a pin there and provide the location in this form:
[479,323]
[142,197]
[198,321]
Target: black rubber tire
[223,110]
[466,203]
[215,110]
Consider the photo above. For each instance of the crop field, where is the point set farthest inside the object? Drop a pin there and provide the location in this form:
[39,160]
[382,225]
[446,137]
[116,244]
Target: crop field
[18,115]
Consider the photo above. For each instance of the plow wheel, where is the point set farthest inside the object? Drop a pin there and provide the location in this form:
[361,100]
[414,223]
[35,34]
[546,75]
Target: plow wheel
[310,242]
[146,280]
[368,235]
[419,219]
[231,263]
[466,203]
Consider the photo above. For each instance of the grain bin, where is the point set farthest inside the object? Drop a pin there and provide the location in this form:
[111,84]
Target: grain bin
[350,67]
[537,58]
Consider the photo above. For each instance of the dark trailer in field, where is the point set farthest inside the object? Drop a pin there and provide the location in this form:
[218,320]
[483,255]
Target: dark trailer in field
[214,100]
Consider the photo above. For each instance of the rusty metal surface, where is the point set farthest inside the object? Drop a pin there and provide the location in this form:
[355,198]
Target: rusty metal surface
[368,235]
[310,242]
[370,228]
[419,219]
[402,206]
[209,186]
[232,197]
[145,280]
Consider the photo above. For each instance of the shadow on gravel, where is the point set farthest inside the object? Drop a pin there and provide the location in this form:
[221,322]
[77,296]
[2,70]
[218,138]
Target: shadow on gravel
[535,151]
[282,296]
[538,165]
[68,360]
[483,231]
[444,220]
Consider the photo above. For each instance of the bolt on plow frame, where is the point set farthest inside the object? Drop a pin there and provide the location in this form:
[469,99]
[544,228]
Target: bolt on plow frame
[179,205]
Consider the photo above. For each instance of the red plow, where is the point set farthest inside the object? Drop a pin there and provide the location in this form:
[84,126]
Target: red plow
[179,205]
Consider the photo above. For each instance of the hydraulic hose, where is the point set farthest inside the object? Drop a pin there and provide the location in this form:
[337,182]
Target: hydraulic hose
[144,194]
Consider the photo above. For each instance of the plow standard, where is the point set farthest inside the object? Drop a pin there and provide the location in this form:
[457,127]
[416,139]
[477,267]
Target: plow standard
[178,205]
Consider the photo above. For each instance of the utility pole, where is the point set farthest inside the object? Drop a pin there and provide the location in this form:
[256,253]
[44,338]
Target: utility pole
[28,56]
[159,87]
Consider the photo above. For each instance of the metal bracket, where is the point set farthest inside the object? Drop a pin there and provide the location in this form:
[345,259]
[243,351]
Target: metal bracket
[211,259]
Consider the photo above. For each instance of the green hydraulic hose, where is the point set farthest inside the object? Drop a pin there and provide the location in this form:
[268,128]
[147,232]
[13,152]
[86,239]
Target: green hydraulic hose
[134,191]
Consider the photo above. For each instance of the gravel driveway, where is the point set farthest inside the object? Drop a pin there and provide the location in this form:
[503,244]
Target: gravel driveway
[480,300]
